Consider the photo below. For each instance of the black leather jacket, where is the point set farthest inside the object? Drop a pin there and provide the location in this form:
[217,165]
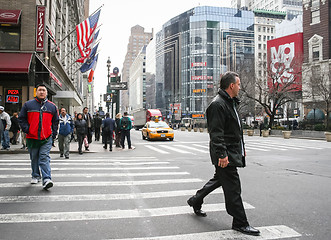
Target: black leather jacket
[226,135]
[81,127]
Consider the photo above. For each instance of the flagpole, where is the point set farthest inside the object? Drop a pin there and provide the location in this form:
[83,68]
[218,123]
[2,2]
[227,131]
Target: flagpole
[75,26]
[69,53]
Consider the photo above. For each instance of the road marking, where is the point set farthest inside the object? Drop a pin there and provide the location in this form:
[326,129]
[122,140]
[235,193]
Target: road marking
[203,146]
[174,149]
[192,148]
[110,214]
[267,233]
[291,145]
[89,175]
[106,184]
[253,148]
[267,147]
[102,160]
[276,146]
[92,164]
[157,150]
[92,168]
[100,197]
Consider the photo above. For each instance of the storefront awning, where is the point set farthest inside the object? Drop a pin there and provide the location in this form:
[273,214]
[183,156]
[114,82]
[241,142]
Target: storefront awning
[15,62]
[69,98]
[10,16]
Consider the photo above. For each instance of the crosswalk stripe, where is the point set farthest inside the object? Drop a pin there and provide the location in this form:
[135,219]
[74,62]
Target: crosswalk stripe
[92,168]
[99,197]
[174,149]
[291,145]
[93,164]
[105,184]
[202,146]
[157,149]
[105,159]
[88,175]
[278,147]
[254,148]
[264,146]
[107,214]
[267,233]
[192,148]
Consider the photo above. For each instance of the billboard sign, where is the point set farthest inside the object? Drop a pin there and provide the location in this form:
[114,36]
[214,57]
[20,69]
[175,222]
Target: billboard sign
[285,58]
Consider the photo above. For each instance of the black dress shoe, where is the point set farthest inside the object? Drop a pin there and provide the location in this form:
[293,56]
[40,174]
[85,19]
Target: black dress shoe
[196,210]
[247,230]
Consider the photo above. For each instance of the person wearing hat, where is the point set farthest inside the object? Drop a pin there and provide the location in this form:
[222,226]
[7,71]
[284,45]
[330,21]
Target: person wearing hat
[40,135]
[5,119]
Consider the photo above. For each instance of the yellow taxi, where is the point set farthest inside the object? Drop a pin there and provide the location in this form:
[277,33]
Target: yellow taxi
[157,130]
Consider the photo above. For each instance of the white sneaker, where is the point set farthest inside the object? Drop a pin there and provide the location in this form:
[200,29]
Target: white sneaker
[34,180]
[48,184]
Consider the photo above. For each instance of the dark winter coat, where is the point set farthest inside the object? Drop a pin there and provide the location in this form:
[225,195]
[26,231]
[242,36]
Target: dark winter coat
[97,122]
[15,127]
[226,135]
[81,127]
[108,125]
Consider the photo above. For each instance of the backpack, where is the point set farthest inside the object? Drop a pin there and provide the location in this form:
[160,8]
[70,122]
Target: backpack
[124,122]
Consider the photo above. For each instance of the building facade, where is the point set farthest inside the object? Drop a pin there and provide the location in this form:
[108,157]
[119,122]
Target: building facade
[150,75]
[137,40]
[317,53]
[193,50]
[36,43]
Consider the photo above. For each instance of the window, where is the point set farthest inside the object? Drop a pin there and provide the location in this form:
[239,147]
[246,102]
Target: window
[264,46]
[10,38]
[272,30]
[259,46]
[263,29]
[268,38]
[264,38]
[259,29]
[259,37]
[316,53]
[315,11]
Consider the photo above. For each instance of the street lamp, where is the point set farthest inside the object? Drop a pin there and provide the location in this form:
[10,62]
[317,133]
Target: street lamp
[108,86]
[314,107]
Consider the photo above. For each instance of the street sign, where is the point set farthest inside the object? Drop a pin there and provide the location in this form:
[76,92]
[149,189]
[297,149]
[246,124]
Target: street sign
[118,86]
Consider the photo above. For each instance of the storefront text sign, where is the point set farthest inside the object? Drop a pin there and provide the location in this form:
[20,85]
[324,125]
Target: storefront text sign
[40,32]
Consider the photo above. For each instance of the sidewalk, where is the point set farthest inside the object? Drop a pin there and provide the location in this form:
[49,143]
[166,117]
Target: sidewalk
[94,148]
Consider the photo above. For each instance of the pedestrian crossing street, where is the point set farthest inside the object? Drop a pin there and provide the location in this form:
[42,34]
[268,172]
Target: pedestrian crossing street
[251,146]
[142,179]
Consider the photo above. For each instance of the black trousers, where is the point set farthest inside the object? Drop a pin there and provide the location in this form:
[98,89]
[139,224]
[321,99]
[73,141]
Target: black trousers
[108,138]
[80,139]
[229,179]
[97,133]
[125,134]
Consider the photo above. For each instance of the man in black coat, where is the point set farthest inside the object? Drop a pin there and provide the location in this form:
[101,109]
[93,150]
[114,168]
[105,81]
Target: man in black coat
[97,125]
[108,127]
[227,153]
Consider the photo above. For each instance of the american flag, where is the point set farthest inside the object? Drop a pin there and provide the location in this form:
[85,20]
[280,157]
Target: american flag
[84,31]
[90,55]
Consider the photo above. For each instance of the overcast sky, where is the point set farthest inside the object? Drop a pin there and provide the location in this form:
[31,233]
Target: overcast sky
[118,16]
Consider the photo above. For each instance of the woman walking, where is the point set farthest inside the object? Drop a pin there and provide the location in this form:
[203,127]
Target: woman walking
[81,131]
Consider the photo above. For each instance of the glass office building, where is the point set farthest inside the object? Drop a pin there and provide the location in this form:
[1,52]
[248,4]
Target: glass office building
[194,49]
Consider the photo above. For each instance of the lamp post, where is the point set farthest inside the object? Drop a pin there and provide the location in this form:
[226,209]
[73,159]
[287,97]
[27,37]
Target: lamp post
[314,107]
[108,86]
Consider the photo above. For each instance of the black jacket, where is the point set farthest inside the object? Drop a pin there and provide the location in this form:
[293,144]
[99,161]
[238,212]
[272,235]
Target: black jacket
[97,122]
[81,127]
[226,135]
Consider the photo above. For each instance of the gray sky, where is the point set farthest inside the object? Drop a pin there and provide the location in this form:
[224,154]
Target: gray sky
[118,16]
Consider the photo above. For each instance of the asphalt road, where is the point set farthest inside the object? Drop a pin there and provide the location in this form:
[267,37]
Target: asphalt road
[142,193]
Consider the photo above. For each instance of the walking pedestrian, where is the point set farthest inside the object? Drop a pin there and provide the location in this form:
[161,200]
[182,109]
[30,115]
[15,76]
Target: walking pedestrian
[40,135]
[126,126]
[108,127]
[81,131]
[89,121]
[6,123]
[97,124]
[118,130]
[227,153]
[66,128]
[15,127]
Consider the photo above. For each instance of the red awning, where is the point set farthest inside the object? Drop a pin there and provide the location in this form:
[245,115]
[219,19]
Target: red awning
[10,16]
[15,62]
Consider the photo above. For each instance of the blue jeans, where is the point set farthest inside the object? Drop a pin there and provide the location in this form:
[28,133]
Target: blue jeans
[5,139]
[40,159]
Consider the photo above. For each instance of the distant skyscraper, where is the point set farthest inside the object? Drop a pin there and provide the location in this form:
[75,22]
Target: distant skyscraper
[137,40]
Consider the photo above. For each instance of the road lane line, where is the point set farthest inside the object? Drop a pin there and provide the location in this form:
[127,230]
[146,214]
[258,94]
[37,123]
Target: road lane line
[202,146]
[108,214]
[100,197]
[157,150]
[192,148]
[174,149]
[267,233]
[89,175]
[275,146]
[259,149]
[264,146]
[92,168]
[92,164]
[105,184]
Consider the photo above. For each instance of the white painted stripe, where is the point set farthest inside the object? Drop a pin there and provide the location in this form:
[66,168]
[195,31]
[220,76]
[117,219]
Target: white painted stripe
[253,148]
[105,184]
[110,214]
[174,149]
[157,150]
[192,148]
[277,146]
[203,146]
[134,159]
[100,197]
[92,164]
[265,146]
[267,233]
[92,168]
[89,175]
[301,146]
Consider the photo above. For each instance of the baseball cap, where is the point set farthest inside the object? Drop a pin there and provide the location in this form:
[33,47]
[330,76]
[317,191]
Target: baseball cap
[2,108]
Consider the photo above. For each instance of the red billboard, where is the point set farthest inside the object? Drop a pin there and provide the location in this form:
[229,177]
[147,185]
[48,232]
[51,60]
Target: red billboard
[285,58]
